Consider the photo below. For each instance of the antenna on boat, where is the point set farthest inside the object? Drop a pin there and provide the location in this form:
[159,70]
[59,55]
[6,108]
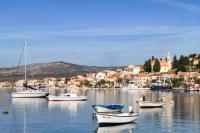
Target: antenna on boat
[25,61]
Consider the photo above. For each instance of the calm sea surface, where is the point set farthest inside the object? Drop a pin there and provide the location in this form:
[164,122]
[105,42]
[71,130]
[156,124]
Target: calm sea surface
[41,116]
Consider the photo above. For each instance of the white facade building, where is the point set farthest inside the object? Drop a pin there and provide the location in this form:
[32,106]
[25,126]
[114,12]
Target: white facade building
[100,76]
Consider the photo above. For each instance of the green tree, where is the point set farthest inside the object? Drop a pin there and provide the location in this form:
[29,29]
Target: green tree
[192,55]
[119,81]
[156,67]
[127,81]
[175,63]
[101,82]
[177,82]
[147,66]
[182,68]
[197,81]
[86,83]
[184,60]
[198,65]
[111,83]
[183,63]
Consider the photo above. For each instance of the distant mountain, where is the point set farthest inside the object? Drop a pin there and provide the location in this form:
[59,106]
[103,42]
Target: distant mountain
[53,69]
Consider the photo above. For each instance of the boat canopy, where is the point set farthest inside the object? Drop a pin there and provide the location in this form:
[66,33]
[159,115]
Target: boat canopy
[112,106]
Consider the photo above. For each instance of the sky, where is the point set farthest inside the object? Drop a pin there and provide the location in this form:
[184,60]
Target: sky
[97,32]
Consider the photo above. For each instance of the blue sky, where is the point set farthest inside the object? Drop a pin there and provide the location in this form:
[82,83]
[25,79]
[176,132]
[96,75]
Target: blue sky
[98,32]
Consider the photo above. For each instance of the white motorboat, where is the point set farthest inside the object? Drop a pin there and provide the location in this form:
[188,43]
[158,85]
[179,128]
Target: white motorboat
[133,86]
[29,92]
[72,96]
[108,108]
[149,104]
[113,118]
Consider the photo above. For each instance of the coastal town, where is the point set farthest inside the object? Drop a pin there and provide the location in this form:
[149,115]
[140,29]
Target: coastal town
[140,75]
[99,66]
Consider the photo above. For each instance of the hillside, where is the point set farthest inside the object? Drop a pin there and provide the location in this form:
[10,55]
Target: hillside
[54,69]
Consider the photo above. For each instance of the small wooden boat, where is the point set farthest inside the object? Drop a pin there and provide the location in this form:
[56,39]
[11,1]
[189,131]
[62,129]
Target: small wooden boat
[114,118]
[149,104]
[108,108]
[72,96]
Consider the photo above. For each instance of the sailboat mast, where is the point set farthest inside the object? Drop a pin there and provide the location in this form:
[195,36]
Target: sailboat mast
[25,60]
[24,121]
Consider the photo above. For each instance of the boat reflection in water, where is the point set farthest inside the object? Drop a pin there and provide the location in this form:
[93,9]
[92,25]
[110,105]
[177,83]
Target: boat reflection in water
[117,129]
[29,102]
[151,110]
[71,106]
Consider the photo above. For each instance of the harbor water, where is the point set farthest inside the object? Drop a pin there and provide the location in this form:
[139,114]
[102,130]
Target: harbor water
[180,114]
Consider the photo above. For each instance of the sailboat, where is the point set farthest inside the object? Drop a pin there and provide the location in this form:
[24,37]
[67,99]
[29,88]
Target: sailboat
[29,92]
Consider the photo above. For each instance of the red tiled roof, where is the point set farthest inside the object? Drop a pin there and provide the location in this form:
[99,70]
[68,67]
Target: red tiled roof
[116,75]
[142,75]
[183,74]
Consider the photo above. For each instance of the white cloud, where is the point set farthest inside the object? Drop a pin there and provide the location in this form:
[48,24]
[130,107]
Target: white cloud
[182,5]
[131,31]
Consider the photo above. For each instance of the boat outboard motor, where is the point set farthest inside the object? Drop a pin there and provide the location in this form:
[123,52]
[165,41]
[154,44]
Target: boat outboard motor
[130,108]
[143,98]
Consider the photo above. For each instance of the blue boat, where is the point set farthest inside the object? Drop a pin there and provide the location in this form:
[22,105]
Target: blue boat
[108,108]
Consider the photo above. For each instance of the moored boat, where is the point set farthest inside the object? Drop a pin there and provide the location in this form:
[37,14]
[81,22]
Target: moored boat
[131,86]
[108,108]
[28,91]
[160,85]
[114,118]
[72,96]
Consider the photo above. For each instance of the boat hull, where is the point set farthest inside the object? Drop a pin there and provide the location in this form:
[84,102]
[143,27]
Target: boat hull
[121,118]
[28,95]
[151,104]
[160,87]
[136,88]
